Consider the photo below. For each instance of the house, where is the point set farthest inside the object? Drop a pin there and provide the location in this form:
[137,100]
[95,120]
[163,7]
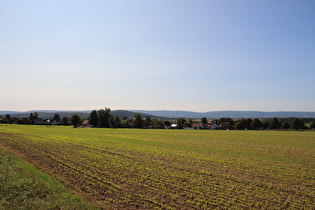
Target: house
[214,127]
[86,124]
[197,126]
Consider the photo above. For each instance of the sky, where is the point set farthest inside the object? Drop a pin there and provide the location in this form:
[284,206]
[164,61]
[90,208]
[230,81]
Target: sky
[192,55]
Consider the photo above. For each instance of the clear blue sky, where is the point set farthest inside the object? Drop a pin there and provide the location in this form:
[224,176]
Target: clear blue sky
[195,55]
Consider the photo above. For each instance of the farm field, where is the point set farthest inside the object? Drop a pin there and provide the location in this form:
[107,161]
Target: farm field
[174,169]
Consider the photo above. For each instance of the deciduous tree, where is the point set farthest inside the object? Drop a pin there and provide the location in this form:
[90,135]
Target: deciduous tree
[286,125]
[204,120]
[118,123]
[112,121]
[167,123]
[180,122]
[249,123]
[75,120]
[226,120]
[104,118]
[242,124]
[8,119]
[296,124]
[65,120]
[56,117]
[256,124]
[107,117]
[274,123]
[147,122]
[31,118]
[265,124]
[137,123]
[93,118]
[238,126]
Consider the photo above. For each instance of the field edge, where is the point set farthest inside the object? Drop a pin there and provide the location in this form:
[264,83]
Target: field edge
[28,186]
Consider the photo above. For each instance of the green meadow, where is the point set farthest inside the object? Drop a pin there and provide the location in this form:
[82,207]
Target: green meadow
[165,169]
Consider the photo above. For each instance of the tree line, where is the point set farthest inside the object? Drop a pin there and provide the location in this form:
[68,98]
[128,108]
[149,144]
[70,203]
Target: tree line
[248,124]
[275,123]
[104,119]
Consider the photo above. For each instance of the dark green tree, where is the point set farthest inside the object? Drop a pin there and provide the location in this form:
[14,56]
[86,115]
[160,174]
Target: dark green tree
[312,125]
[265,124]
[93,118]
[238,126]
[147,122]
[148,119]
[180,122]
[244,124]
[107,117]
[157,123]
[187,124]
[31,118]
[274,123]
[167,123]
[249,123]
[75,120]
[256,124]
[137,123]
[8,119]
[126,123]
[204,120]
[112,121]
[118,123]
[56,117]
[286,125]
[35,115]
[65,120]
[101,118]
[296,124]
[154,123]
[226,120]
[104,118]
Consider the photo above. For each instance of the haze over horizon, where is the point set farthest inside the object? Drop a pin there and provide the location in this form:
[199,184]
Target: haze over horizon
[157,55]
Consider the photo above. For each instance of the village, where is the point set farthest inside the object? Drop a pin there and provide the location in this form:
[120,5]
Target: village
[104,119]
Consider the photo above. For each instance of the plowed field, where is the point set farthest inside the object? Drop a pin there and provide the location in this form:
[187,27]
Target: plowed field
[174,169]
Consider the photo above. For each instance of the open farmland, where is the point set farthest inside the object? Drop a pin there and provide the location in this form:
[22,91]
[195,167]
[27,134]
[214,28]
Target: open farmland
[133,168]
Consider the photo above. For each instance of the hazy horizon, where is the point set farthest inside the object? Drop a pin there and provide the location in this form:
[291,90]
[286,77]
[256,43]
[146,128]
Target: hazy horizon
[57,110]
[158,55]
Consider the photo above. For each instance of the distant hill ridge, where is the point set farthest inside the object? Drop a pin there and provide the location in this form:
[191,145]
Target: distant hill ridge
[231,114]
[163,114]
[45,114]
